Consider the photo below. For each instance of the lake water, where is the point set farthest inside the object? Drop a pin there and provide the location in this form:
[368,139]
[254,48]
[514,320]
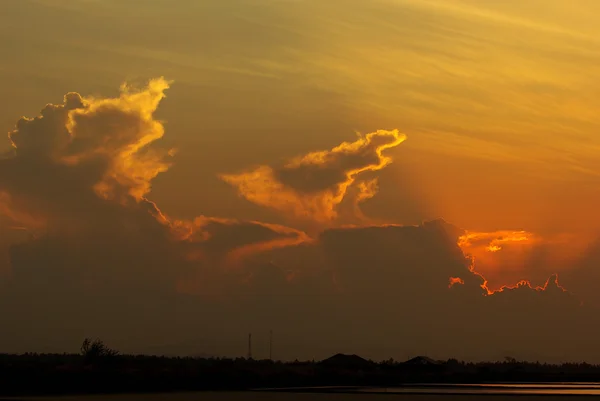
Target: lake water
[429,392]
[521,389]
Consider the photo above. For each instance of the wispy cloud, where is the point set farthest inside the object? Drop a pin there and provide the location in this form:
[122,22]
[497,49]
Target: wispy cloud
[313,186]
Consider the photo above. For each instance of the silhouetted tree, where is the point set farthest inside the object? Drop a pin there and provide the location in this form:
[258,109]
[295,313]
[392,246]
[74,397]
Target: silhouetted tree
[92,351]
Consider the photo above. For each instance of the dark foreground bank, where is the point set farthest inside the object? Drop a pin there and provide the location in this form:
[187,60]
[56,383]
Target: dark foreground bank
[43,374]
[248,396]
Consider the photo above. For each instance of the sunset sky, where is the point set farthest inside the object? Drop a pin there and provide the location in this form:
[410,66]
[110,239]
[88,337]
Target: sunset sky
[355,175]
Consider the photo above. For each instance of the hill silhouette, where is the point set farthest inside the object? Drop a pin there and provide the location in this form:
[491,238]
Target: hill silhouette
[347,362]
[100,369]
[422,361]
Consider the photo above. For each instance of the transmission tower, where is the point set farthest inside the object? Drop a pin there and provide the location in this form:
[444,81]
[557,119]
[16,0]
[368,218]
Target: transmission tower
[271,345]
[250,346]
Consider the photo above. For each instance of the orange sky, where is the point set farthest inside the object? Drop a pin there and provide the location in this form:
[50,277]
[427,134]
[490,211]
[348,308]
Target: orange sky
[303,116]
[497,100]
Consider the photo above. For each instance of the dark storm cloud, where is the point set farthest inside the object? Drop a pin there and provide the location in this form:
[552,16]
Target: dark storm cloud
[104,260]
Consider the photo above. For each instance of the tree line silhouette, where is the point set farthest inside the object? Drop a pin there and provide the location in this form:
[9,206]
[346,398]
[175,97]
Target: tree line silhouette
[100,369]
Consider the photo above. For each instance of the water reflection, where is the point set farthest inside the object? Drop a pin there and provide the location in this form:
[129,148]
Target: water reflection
[566,388]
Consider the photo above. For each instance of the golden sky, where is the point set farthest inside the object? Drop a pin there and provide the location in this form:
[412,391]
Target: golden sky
[497,98]
[274,106]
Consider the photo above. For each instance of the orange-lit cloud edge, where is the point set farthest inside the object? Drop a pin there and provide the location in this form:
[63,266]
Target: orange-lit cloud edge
[520,284]
[131,165]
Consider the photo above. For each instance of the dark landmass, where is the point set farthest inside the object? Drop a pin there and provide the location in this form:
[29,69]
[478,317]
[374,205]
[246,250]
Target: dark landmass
[98,369]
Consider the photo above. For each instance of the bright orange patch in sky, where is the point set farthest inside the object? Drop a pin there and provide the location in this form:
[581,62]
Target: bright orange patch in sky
[500,257]
[455,280]
[512,259]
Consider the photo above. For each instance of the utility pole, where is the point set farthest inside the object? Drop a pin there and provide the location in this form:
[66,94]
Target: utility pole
[250,346]
[271,345]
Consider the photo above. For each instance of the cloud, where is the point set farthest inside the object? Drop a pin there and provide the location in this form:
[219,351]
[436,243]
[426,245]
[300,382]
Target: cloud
[77,180]
[314,185]
[226,252]
[583,273]
[508,257]
[102,259]
[393,284]
[82,151]
[454,281]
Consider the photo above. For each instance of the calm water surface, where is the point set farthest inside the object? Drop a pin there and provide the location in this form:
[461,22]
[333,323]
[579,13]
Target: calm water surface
[429,392]
[495,389]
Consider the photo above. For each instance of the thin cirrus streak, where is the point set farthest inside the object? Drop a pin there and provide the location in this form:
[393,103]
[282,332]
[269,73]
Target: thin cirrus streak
[313,186]
[289,237]
[24,220]
[199,231]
